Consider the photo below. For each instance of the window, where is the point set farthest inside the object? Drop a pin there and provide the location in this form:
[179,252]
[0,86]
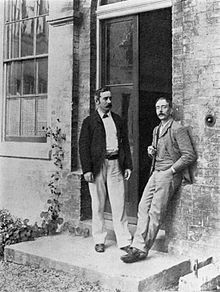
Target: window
[26,70]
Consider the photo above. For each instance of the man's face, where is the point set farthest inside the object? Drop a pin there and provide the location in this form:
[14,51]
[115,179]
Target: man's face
[105,101]
[163,110]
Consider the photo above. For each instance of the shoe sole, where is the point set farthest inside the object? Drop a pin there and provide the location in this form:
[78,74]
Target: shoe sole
[127,261]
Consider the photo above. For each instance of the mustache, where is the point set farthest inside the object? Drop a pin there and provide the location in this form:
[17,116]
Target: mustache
[109,105]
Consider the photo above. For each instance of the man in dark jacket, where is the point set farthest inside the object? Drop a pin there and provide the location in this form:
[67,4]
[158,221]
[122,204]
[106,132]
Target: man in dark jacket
[172,153]
[106,161]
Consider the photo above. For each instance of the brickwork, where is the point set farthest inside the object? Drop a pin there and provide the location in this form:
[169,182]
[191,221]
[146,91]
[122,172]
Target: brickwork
[24,189]
[84,65]
[194,211]
[87,81]
[64,95]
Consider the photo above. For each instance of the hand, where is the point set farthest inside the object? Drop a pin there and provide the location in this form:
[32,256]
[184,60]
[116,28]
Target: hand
[168,172]
[127,174]
[151,150]
[89,177]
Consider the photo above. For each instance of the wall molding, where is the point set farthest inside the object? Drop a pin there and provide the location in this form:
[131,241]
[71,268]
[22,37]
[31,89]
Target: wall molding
[130,7]
[65,20]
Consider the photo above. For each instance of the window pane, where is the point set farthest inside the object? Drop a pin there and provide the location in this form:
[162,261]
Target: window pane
[123,106]
[27,37]
[28,8]
[14,79]
[15,40]
[42,7]
[41,112]
[7,10]
[12,117]
[15,10]
[42,36]
[7,38]
[27,117]
[119,52]
[28,77]
[42,75]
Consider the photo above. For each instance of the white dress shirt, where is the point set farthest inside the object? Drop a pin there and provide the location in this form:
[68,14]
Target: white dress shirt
[110,131]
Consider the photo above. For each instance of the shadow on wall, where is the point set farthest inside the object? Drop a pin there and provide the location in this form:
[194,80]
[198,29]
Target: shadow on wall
[85,208]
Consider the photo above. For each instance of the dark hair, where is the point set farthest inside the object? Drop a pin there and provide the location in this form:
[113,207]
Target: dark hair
[168,100]
[100,90]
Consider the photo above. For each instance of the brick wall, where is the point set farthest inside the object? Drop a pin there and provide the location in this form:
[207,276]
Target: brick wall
[195,224]
[87,82]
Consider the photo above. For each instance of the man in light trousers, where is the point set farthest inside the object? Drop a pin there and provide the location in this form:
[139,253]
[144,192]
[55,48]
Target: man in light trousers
[172,152]
[106,162]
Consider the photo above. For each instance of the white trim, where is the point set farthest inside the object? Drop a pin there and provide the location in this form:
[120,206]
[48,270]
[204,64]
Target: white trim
[1,68]
[130,7]
[25,150]
[98,54]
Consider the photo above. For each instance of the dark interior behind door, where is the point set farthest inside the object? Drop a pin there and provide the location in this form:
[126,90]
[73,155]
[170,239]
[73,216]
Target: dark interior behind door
[155,78]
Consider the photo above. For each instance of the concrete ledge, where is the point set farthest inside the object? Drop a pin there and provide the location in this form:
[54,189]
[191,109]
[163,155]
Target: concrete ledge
[76,255]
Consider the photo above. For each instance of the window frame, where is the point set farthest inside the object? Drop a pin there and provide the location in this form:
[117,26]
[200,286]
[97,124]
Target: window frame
[8,58]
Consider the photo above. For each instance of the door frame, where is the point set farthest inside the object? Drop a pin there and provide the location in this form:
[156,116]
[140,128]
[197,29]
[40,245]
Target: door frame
[123,9]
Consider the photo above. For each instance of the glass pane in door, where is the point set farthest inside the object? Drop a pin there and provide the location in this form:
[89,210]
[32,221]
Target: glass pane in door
[119,52]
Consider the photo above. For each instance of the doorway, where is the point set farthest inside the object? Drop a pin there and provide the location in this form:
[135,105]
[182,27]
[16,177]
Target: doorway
[155,78]
[136,62]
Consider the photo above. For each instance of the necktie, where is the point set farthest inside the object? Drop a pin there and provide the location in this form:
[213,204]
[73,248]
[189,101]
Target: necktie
[105,116]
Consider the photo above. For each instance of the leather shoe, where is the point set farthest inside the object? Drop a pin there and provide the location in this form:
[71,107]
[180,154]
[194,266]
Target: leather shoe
[100,247]
[126,248]
[134,255]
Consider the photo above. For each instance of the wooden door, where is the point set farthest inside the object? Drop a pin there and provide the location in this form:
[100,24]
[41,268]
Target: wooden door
[119,71]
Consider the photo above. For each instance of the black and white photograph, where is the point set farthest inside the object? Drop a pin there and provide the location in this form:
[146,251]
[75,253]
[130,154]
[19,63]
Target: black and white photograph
[109,145]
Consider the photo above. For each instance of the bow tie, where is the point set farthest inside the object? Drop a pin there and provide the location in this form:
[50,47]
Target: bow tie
[105,116]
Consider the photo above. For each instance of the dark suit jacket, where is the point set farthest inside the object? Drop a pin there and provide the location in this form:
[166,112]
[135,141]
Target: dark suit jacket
[179,146]
[92,144]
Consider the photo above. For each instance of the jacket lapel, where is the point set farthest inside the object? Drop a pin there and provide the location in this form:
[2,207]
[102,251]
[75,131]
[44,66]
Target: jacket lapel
[97,119]
[165,129]
[114,117]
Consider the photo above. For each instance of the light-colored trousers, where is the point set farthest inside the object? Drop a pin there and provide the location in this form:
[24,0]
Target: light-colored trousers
[109,179]
[152,207]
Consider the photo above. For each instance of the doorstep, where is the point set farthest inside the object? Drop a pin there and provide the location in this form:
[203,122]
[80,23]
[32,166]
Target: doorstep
[76,255]
[160,243]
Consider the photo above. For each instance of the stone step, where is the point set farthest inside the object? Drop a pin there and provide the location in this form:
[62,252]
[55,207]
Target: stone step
[160,243]
[76,255]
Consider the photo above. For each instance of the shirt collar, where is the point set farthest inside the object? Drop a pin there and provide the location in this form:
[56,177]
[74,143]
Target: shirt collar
[164,125]
[102,114]
[162,129]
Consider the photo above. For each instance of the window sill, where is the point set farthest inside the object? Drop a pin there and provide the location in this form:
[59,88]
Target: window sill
[25,150]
